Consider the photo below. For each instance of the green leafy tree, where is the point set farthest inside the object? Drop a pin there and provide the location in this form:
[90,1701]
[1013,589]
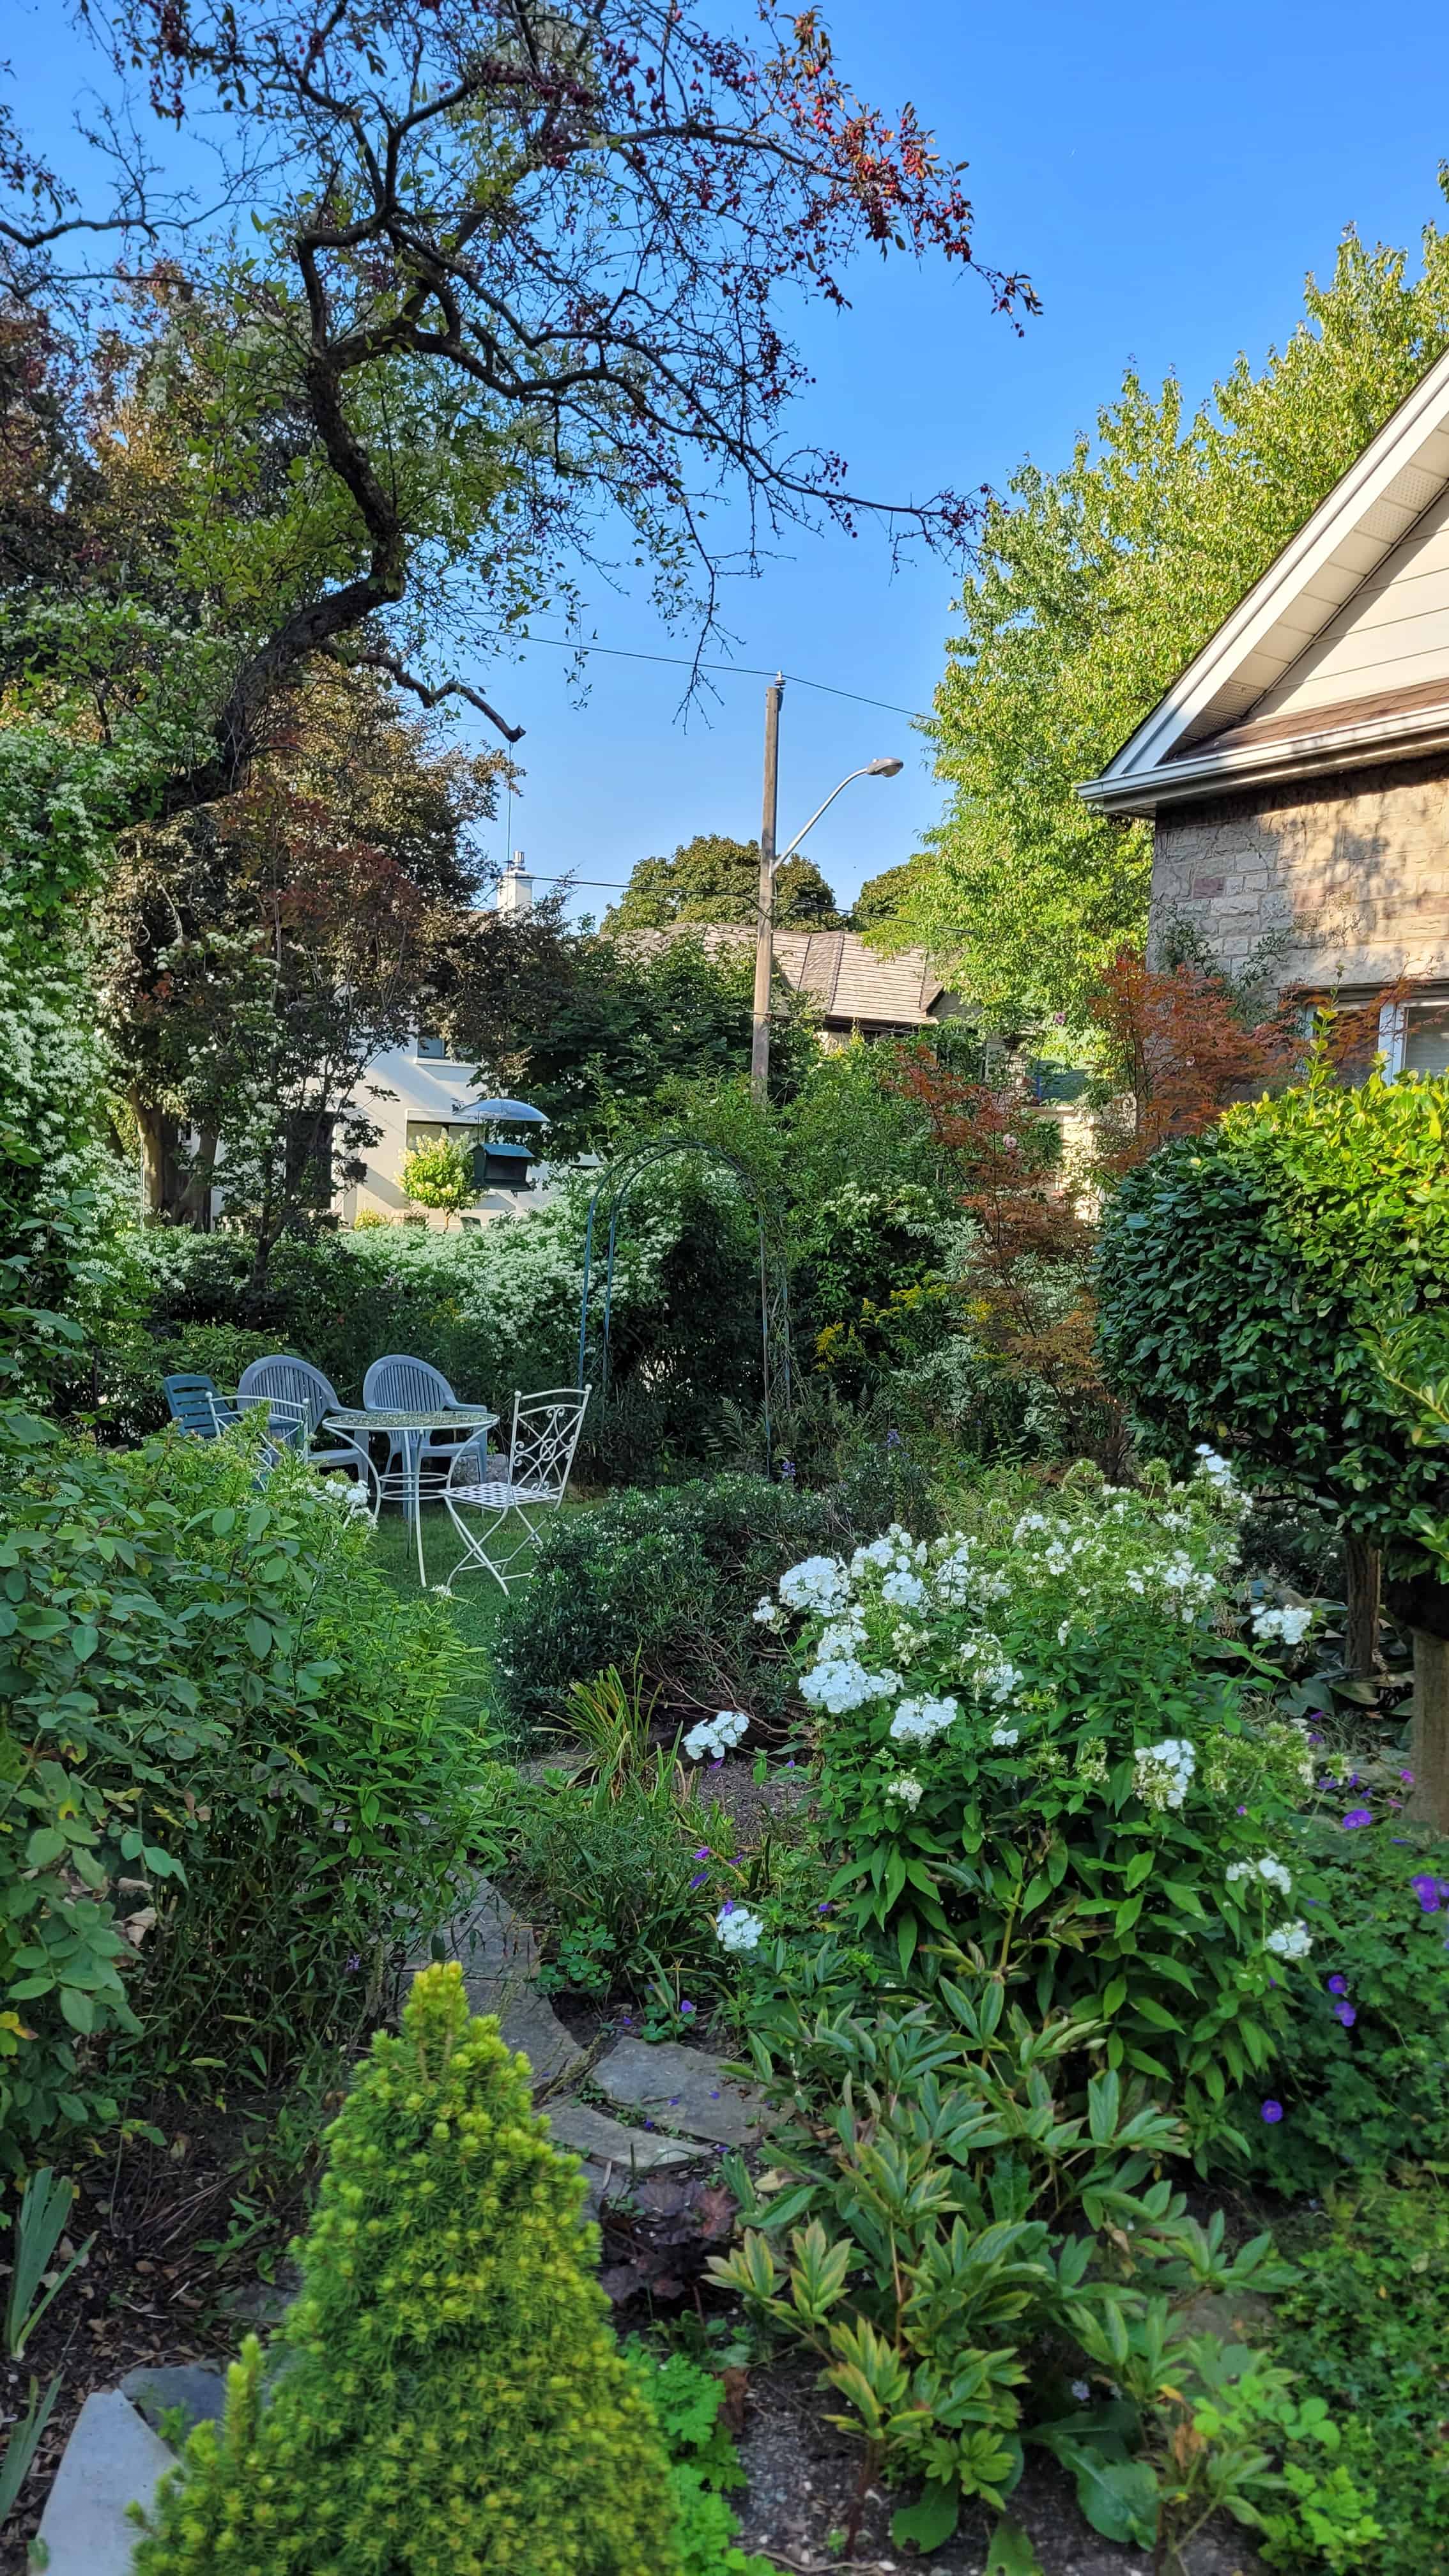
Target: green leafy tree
[453,2397]
[712,878]
[1250,1280]
[1094,586]
[439,1175]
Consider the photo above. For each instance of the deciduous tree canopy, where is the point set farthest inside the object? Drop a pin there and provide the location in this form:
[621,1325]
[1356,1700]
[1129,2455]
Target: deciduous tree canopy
[1094,586]
[712,878]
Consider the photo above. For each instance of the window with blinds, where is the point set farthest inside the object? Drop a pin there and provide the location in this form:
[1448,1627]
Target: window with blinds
[1426,1037]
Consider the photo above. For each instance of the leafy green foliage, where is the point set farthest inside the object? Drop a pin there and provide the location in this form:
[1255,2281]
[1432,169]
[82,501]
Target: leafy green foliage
[713,878]
[943,2205]
[1365,2329]
[703,2463]
[619,1880]
[1095,586]
[1246,1274]
[1031,1737]
[673,1578]
[440,1175]
[1363,2069]
[219,1727]
[452,2393]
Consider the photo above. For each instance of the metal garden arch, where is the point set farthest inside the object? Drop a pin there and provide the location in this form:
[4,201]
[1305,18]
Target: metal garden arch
[609,1201]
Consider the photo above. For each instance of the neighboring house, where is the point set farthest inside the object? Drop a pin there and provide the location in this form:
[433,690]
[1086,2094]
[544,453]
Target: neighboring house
[852,986]
[432,1096]
[1297,773]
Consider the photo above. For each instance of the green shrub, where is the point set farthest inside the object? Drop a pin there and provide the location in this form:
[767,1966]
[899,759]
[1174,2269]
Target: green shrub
[1028,1738]
[628,1883]
[1367,2329]
[1245,1272]
[674,1578]
[1363,2074]
[452,2396]
[221,1724]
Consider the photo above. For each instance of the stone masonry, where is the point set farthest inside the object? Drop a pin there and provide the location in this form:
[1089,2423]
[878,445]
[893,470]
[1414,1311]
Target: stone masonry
[1347,875]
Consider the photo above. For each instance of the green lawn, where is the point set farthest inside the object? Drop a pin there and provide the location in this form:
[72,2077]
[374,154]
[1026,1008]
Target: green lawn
[477,1600]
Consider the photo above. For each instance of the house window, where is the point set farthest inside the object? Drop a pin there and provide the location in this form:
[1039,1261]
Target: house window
[430,1046]
[1414,1035]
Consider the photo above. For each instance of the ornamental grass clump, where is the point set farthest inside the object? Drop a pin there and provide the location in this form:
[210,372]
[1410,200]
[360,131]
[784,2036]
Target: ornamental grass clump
[450,2399]
[1035,1736]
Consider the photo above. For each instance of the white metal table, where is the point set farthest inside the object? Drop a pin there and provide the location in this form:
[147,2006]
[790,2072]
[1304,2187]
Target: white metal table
[413,1428]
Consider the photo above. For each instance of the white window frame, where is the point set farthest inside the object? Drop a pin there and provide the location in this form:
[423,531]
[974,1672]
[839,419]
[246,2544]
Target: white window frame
[1394,1024]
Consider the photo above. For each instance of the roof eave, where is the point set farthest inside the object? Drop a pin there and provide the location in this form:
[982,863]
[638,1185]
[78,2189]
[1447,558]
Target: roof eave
[1307,755]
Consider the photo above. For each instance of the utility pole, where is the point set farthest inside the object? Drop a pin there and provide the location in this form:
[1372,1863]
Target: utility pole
[765,923]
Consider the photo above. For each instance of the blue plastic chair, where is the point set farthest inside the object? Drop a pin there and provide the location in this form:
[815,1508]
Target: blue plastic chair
[198,1405]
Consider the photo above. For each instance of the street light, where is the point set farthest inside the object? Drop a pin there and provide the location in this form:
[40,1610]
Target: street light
[770,864]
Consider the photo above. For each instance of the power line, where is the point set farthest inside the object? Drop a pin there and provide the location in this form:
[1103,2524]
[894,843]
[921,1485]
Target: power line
[731,670]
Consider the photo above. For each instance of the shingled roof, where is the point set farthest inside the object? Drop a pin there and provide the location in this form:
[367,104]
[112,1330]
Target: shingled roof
[851,984]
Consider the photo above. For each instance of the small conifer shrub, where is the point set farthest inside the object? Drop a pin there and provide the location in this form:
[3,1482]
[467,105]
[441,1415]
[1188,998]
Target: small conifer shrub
[448,2398]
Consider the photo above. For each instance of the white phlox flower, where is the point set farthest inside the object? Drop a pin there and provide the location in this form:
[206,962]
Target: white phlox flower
[907,1788]
[1004,1736]
[920,1721]
[1161,1772]
[817,1583]
[1290,1941]
[903,1589]
[1215,1468]
[736,1928]
[716,1735]
[841,1684]
[766,1613]
[1288,1626]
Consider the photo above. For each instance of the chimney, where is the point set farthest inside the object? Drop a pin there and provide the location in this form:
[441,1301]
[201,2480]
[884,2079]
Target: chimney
[515,892]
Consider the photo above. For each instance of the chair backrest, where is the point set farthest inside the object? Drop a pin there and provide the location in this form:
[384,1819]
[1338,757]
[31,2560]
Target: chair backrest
[546,1431]
[398,1384]
[190,1400]
[296,1381]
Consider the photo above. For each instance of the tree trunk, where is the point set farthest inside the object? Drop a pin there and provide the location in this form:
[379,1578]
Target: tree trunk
[1363,1585]
[1429,1757]
[158,1149]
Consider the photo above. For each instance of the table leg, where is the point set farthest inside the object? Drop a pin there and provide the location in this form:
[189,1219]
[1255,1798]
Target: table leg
[415,1440]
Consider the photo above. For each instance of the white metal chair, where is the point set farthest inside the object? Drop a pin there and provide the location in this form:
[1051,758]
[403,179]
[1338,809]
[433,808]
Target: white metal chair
[399,1384]
[541,1449]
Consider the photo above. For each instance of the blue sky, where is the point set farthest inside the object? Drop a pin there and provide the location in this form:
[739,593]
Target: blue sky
[1166,174]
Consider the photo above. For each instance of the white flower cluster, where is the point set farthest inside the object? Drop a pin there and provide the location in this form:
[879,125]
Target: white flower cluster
[766,1613]
[1215,1469]
[895,1550]
[736,1928]
[817,1584]
[1289,1626]
[907,1788]
[716,1735]
[920,1721]
[1161,1772]
[1290,1941]
[1003,1736]
[1269,1869]
[903,1589]
[841,1683]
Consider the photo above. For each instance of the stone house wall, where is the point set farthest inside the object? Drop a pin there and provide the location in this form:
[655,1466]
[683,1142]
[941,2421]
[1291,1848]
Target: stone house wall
[1347,876]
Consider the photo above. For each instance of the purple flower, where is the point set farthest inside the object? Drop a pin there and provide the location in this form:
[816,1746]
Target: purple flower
[686,2008]
[1357,1816]
[1352,1781]
[728,1906]
[893,1440]
[822,1909]
[1426,1888]
[1272,2113]
[1338,1985]
[1346,2014]
[703,1852]
[698,1880]
[1408,1778]
[1315,1739]
[1242,1811]
[787,1470]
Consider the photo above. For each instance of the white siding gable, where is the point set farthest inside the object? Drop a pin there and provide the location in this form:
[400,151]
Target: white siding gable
[1392,634]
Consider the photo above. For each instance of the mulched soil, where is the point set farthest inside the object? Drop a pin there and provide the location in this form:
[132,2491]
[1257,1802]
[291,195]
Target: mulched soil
[804,2478]
[154,2288]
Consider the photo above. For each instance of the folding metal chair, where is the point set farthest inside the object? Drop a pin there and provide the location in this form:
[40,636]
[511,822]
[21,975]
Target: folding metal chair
[541,1449]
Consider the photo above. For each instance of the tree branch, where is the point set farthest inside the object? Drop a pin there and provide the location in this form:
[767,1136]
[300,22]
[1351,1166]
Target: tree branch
[372,658]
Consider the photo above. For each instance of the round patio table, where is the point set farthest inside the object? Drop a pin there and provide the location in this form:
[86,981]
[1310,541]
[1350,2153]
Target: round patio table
[414,1428]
